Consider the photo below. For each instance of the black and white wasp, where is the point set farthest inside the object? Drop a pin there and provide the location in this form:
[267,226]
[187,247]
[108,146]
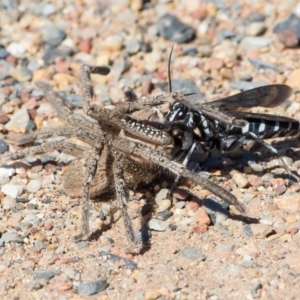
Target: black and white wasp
[219,124]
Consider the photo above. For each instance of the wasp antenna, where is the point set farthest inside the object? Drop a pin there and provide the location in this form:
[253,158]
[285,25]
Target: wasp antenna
[169,70]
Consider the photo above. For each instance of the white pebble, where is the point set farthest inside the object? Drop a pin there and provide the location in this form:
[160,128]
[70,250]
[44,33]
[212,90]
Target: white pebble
[7,172]
[157,225]
[162,194]
[164,205]
[12,190]
[9,203]
[33,186]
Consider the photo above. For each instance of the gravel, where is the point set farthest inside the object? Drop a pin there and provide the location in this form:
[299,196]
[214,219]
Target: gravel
[235,257]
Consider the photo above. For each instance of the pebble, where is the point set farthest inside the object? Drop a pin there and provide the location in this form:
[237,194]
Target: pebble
[161,195]
[113,43]
[45,274]
[290,203]
[256,167]
[52,35]
[19,122]
[7,172]
[256,29]
[172,29]
[201,217]
[33,186]
[240,180]
[8,203]
[253,43]
[164,205]
[133,47]
[12,190]
[157,225]
[8,237]
[91,288]
[164,215]
[192,253]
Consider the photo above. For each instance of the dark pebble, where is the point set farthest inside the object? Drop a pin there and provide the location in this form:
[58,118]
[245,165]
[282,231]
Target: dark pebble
[45,274]
[247,229]
[146,47]
[192,253]
[291,23]
[91,288]
[52,36]
[226,34]
[3,53]
[3,146]
[173,227]
[52,54]
[164,215]
[172,29]
[190,51]
[128,263]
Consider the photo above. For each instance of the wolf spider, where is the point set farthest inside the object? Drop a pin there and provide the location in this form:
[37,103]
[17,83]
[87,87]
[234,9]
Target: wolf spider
[124,149]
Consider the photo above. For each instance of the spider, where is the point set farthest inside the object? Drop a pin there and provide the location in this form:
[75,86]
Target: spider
[122,149]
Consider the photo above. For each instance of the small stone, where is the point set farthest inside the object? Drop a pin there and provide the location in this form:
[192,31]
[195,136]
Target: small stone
[91,288]
[252,43]
[201,217]
[21,74]
[291,219]
[7,172]
[162,194]
[48,225]
[19,122]
[192,205]
[133,47]
[39,245]
[213,63]
[164,205]
[290,203]
[12,190]
[172,29]
[27,265]
[248,249]
[240,180]
[16,49]
[267,177]
[62,80]
[8,237]
[157,225]
[45,274]
[224,249]
[33,186]
[113,43]
[279,185]
[85,46]
[52,35]
[256,167]
[256,29]
[192,253]
[8,203]
[288,38]
[164,215]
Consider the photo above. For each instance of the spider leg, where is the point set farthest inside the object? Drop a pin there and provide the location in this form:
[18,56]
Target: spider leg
[122,202]
[90,173]
[67,131]
[159,158]
[63,146]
